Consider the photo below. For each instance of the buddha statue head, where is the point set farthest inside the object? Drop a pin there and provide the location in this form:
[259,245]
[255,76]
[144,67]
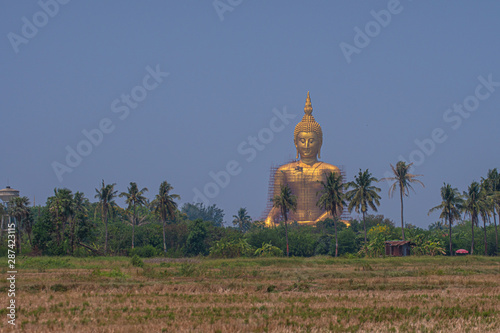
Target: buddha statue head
[308,136]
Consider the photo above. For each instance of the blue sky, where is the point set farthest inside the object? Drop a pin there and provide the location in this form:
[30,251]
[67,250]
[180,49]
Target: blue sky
[229,66]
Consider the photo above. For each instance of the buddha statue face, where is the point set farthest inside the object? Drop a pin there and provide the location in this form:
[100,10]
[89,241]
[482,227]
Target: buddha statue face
[308,144]
[308,136]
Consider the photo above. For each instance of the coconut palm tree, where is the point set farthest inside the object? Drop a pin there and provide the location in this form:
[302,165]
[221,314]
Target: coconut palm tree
[106,195]
[472,206]
[61,207]
[242,220]
[487,208]
[450,207]
[494,192]
[332,199]
[285,201]
[19,209]
[165,206]
[363,194]
[134,198]
[402,179]
[80,204]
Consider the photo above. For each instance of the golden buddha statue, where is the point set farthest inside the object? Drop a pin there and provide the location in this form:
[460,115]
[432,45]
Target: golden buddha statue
[305,175]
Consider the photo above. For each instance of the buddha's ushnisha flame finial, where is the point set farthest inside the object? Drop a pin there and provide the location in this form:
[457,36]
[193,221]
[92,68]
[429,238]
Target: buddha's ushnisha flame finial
[308,124]
[308,109]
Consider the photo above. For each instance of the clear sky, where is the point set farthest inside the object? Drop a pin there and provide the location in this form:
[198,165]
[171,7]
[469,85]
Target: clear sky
[383,75]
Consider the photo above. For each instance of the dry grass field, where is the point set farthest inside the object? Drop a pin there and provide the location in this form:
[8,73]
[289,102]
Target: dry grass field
[321,294]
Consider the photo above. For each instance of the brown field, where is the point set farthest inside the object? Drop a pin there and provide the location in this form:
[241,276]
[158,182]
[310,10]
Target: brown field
[321,294]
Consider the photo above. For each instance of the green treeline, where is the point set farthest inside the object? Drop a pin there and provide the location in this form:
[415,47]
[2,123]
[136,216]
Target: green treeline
[70,224]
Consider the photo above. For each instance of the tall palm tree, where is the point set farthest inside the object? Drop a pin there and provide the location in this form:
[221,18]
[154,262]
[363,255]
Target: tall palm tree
[242,220]
[19,209]
[61,206]
[487,208]
[79,208]
[402,179]
[494,185]
[450,207]
[332,199]
[134,198]
[285,201]
[363,194]
[106,195]
[165,206]
[472,206]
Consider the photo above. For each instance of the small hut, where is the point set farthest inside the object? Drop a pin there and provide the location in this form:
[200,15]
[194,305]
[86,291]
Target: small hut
[398,248]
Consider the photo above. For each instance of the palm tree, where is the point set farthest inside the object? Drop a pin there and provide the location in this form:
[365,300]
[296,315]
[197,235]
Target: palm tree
[165,206]
[402,179]
[61,206]
[242,220]
[106,195]
[134,198]
[363,194]
[285,201]
[18,208]
[472,206]
[494,186]
[332,200]
[79,209]
[450,207]
[487,207]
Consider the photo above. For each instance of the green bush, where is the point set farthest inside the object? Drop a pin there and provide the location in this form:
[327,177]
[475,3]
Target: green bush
[324,245]
[302,241]
[195,243]
[231,249]
[174,253]
[268,250]
[275,236]
[146,251]
[187,269]
[136,261]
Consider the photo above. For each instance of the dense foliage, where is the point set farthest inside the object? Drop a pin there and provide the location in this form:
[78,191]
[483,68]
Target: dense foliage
[69,224]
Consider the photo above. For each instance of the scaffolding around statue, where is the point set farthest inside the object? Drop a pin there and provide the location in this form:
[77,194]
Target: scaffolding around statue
[271,190]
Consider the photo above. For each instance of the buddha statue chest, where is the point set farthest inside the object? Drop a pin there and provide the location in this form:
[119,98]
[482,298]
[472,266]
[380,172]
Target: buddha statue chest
[305,183]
